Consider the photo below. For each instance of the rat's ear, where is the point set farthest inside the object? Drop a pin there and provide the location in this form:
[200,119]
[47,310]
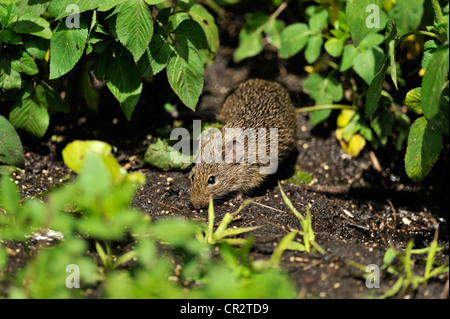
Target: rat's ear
[234,151]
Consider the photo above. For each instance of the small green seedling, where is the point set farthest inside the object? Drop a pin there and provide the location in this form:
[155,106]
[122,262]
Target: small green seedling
[214,237]
[306,224]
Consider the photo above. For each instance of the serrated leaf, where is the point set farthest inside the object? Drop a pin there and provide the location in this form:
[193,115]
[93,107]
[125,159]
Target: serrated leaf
[63,8]
[124,83]
[31,24]
[424,147]
[185,76]
[10,145]
[413,100]
[293,39]
[36,47]
[432,84]
[200,15]
[134,26]
[156,57]
[25,64]
[66,48]
[9,78]
[106,5]
[30,116]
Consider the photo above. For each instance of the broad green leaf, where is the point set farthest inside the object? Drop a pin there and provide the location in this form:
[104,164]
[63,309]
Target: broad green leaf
[36,47]
[28,115]
[407,15]
[364,17]
[367,63]
[106,5]
[293,39]
[159,154]
[34,25]
[371,40]
[156,57]
[429,48]
[152,2]
[348,56]
[10,145]
[34,7]
[250,44]
[273,31]
[382,124]
[318,21]
[66,48]
[432,84]
[50,99]
[9,78]
[200,15]
[375,87]
[25,64]
[10,15]
[63,8]
[424,147]
[185,76]
[124,83]
[75,153]
[313,48]
[413,100]
[334,47]
[190,30]
[134,26]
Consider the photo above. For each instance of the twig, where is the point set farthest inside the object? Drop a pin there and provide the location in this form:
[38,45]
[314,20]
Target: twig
[168,206]
[375,162]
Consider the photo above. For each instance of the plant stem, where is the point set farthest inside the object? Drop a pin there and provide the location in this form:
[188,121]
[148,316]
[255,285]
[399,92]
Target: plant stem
[427,33]
[327,107]
[437,11]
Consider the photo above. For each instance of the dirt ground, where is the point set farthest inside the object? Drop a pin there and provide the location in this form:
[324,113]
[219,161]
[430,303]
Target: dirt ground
[357,211]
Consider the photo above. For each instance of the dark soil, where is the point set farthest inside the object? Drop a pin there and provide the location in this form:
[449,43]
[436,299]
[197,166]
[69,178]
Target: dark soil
[357,211]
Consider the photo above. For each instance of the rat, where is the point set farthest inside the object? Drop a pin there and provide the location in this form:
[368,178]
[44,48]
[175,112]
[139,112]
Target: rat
[254,104]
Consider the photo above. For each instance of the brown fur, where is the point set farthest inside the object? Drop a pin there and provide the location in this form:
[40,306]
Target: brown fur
[253,104]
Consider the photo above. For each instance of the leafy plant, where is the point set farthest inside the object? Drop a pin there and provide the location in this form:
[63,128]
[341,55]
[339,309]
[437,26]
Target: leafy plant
[165,259]
[120,41]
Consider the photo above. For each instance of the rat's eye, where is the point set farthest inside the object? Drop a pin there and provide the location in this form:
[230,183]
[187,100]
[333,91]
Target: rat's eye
[211,180]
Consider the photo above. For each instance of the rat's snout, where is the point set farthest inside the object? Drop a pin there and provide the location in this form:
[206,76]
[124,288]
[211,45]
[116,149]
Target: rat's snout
[199,202]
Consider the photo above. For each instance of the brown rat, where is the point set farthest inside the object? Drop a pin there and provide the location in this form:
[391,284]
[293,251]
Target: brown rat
[257,104]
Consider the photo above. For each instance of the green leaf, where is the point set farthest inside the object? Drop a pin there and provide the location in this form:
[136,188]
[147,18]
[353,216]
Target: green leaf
[10,145]
[348,56]
[375,87]
[190,30]
[185,76]
[50,99]
[124,83]
[134,26]
[429,48]
[313,48]
[36,47]
[200,15]
[382,124]
[367,63]
[413,100]
[273,31]
[293,39]
[158,154]
[371,40]
[9,78]
[318,21]
[407,15]
[34,7]
[250,44]
[76,152]
[156,57]
[63,8]
[424,147]
[25,64]
[34,25]
[107,5]
[334,47]
[28,115]
[432,84]
[66,48]
[363,17]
